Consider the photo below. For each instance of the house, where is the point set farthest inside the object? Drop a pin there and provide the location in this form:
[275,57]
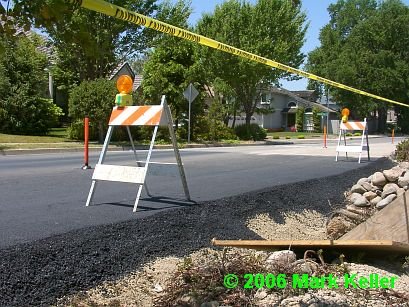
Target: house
[285,104]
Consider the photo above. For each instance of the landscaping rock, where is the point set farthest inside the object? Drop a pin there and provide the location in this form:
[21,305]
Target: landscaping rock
[404,180]
[378,179]
[361,201]
[393,174]
[369,195]
[280,258]
[369,187]
[388,189]
[376,200]
[338,226]
[355,209]
[362,180]
[384,202]
[211,304]
[357,188]
[400,192]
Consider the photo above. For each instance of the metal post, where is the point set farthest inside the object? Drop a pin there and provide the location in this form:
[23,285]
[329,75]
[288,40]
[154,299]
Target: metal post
[327,109]
[86,144]
[190,107]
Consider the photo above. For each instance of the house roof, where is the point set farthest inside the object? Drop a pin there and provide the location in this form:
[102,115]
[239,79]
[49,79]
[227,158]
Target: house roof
[124,66]
[298,99]
[119,67]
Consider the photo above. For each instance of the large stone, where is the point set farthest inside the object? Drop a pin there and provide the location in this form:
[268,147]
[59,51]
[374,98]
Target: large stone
[352,197]
[388,189]
[338,226]
[369,187]
[404,165]
[357,188]
[355,209]
[393,174]
[370,195]
[378,179]
[280,258]
[362,180]
[376,200]
[384,202]
[403,181]
[361,201]
[400,192]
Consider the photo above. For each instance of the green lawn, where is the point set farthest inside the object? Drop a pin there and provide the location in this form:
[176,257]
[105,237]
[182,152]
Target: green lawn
[56,135]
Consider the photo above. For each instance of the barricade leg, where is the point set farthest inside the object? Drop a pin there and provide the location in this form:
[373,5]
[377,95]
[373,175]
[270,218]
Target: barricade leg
[177,154]
[138,195]
[100,161]
[136,157]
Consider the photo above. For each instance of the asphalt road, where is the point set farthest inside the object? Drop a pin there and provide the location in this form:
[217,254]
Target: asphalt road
[43,195]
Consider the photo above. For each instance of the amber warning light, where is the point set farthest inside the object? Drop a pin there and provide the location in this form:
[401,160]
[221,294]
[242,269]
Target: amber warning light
[124,85]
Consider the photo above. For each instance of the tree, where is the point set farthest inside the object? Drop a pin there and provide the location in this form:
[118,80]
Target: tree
[172,65]
[94,99]
[24,108]
[364,46]
[271,28]
[88,45]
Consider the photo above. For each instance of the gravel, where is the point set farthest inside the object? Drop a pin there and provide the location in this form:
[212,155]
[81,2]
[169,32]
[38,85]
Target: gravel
[38,273]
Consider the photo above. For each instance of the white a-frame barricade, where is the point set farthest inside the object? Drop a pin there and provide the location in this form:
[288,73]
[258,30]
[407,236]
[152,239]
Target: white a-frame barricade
[353,126]
[155,115]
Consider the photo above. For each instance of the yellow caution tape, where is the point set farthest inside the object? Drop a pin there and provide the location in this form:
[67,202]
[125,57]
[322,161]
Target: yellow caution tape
[121,13]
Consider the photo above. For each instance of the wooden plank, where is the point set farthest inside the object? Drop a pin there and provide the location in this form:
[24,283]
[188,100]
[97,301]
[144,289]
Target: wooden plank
[338,245]
[119,173]
[390,223]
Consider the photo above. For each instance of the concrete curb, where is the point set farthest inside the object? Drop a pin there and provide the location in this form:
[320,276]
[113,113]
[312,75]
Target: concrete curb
[126,148]
[7,152]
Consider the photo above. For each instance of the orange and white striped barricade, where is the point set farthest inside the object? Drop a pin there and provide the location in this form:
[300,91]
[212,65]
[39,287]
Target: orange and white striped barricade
[353,126]
[155,115]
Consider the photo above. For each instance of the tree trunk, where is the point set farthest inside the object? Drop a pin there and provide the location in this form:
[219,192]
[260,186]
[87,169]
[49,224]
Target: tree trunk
[234,115]
[248,119]
[100,132]
[382,116]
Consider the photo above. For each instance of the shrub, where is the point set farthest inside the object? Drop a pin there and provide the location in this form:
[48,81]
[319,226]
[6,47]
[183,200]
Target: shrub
[348,134]
[252,132]
[207,129]
[299,119]
[288,137]
[402,151]
[301,137]
[357,134]
[94,99]
[25,114]
[276,137]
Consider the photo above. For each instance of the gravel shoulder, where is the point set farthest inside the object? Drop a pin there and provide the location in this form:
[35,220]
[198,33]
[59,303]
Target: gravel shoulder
[41,272]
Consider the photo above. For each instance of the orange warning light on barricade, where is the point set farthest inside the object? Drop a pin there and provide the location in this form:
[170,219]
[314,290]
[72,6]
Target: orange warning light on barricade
[345,114]
[124,85]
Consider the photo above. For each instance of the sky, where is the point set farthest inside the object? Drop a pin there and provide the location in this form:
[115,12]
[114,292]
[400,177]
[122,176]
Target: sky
[317,15]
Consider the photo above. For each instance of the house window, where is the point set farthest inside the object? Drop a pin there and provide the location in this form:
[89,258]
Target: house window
[264,99]
[292,104]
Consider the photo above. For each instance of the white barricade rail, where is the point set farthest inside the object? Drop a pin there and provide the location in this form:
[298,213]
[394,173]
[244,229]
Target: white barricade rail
[156,116]
[353,126]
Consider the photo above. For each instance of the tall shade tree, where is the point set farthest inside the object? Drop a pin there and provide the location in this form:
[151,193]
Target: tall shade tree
[365,45]
[274,29]
[88,44]
[172,64]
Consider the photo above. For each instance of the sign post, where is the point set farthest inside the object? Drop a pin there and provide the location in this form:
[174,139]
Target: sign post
[190,94]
